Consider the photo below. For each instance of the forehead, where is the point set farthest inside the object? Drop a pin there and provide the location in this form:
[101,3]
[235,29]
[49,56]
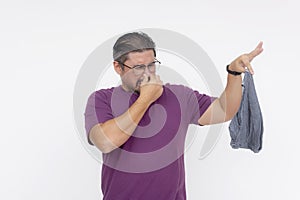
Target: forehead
[146,56]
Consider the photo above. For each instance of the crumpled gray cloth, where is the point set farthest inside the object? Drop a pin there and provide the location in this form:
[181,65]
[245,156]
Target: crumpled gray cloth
[246,127]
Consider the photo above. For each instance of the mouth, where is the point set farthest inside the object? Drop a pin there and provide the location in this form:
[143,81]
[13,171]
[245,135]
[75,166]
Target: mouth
[138,83]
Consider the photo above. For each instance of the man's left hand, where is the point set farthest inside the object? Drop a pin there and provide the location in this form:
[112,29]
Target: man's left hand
[242,63]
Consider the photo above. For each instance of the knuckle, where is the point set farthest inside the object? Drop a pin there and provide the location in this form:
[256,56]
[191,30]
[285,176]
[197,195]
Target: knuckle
[244,57]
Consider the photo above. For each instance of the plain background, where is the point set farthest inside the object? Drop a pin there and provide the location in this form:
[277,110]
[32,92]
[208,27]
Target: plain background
[44,43]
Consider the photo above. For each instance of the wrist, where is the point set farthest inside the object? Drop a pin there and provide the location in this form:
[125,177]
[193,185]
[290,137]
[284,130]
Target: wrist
[235,73]
[142,101]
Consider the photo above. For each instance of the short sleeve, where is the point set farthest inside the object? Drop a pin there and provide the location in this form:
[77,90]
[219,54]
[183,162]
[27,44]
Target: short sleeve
[98,110]
[198,104]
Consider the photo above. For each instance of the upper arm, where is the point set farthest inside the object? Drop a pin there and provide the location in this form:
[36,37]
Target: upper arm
[198,106]
[93,133]
[97,111]
[214,114]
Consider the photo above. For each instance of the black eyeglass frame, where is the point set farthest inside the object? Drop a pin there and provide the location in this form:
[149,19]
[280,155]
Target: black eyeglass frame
[142,66]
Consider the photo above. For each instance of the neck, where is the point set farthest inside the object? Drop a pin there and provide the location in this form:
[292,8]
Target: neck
[126,89]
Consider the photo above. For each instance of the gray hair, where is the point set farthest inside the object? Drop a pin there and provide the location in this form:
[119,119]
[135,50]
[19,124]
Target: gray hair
[132,42]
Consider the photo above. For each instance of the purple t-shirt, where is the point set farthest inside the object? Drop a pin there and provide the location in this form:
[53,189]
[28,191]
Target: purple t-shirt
[150,164]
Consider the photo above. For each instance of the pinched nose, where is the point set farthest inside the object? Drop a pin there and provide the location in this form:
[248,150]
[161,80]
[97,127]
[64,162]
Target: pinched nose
[147,72]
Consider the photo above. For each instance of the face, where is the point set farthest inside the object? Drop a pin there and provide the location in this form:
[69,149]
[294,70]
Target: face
[130,81]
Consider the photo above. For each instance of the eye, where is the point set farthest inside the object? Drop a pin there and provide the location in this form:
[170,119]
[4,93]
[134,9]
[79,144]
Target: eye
[152,64]
[140,67]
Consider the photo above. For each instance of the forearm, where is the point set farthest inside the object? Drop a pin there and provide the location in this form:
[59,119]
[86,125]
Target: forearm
[227,105]
[115,132]
[230,100]
[231,97]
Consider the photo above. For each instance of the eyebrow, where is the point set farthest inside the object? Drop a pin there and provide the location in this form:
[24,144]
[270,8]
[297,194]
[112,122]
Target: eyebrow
[145,64]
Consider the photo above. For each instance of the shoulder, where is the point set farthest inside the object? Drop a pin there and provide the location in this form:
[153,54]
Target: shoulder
[185,91]
[107,91]
[101,94]
[177,87]
[181,90]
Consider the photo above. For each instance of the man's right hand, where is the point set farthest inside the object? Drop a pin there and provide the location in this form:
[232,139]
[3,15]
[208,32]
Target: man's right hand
[115,132]
[150,89]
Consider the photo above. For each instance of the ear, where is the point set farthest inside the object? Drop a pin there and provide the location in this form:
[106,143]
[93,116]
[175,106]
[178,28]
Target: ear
[117,67]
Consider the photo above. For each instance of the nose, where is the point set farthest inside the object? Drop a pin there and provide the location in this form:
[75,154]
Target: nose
[147,72]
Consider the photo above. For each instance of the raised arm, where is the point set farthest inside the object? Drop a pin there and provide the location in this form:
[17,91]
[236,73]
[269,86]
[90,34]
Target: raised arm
[226,106]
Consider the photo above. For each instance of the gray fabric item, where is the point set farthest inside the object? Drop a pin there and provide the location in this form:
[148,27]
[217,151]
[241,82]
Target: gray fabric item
[246,127]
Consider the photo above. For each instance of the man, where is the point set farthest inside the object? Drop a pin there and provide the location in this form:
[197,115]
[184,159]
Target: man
[140,126]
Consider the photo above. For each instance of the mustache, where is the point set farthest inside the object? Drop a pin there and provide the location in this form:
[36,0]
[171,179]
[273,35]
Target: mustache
[138,83]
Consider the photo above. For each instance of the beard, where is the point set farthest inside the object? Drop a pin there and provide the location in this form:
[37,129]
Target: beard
[138,85]
[133,87]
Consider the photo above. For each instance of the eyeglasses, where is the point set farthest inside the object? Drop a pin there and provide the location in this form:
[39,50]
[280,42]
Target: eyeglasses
[140,69]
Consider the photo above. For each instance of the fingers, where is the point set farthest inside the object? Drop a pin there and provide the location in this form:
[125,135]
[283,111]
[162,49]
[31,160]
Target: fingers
[256,51]
[151,79]
[155,79]
[247,65]
[158,80]
[251,56]
[242,63]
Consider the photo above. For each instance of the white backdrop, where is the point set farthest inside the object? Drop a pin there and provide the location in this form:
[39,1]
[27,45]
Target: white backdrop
[44,43]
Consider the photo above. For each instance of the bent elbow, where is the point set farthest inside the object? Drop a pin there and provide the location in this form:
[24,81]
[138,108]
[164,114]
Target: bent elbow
[229,116]
[105,149]
[99,140]
[104,146]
